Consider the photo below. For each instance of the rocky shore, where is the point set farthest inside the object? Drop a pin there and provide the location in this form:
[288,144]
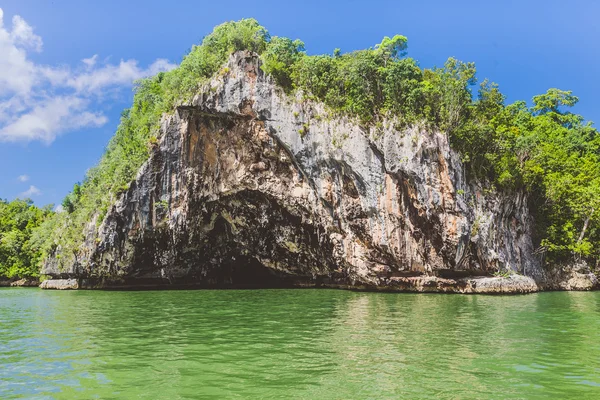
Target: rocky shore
[19,283]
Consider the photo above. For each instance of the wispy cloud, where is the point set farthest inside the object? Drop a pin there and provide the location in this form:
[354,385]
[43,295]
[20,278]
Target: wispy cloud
[32,191]
[23,178]
[50,117]
[40,102]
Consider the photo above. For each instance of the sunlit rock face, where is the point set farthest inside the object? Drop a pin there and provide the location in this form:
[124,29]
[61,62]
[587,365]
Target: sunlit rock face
[251,187]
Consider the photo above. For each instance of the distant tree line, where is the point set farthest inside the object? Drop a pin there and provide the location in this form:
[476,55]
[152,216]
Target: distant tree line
[21,238]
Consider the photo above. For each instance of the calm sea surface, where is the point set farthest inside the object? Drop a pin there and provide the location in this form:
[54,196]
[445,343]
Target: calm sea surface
[297,344]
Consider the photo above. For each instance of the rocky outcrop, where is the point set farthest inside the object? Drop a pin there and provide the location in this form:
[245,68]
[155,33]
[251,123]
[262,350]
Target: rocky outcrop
[60,284]
[251,187]
[24,282]
[575,276]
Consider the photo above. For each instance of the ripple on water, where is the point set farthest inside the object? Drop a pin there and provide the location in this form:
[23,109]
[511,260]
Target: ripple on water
[303,344]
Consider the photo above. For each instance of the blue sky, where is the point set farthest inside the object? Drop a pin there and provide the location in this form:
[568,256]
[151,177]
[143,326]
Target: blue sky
[57,112]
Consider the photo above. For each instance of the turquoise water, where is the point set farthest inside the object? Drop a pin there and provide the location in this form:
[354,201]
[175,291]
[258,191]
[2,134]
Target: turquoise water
[297,344]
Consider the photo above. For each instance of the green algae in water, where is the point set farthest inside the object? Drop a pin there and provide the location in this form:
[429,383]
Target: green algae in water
[297,344]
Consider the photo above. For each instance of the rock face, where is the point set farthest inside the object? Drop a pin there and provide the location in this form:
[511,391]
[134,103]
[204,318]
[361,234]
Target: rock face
[60,284]
[250,187]
[25,282]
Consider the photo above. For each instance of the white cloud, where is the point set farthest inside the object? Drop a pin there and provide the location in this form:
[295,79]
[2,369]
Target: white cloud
[59,208]
[110,75]
[40,102]
[23,178]
[51,117]
[32,191]
[17,73]
[22,34]
[90,62]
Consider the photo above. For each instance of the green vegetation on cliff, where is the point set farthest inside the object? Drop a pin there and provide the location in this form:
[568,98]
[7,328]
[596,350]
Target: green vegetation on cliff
[544,149]
[21,238]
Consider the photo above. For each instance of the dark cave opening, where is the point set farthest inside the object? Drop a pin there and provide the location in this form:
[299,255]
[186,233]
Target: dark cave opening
[247,272]
[233,267]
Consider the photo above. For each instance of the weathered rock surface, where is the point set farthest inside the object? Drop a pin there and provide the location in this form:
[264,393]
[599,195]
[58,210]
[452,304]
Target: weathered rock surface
[60,284]
[249,187]
[19,283]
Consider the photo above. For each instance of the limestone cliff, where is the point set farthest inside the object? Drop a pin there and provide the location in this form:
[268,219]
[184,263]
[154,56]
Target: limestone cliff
[251,187]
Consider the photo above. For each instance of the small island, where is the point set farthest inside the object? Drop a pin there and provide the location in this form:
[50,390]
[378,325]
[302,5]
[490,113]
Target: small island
[254,164]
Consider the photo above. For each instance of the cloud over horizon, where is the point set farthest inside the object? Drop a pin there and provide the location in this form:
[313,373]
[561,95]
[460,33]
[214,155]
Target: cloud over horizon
[40,102]
[32,191]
